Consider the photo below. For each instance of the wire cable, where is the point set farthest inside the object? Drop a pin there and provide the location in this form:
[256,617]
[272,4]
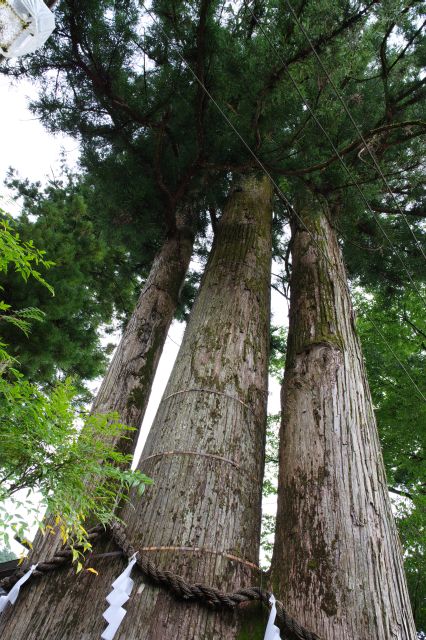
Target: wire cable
[358,130]
[339,156]
[279,191]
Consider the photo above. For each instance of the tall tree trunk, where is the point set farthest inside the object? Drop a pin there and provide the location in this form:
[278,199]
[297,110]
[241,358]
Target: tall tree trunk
[127,384]
[337,562]
[204,453]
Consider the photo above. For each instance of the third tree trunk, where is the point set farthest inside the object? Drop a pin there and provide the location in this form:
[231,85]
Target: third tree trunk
[337,562]
[127,384]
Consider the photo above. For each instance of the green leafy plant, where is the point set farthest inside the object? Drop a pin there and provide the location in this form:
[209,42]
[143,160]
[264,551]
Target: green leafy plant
[401,417]
[52,457]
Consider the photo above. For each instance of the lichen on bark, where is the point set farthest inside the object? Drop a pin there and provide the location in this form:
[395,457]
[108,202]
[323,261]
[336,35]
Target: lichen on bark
[337,562]
[214,404]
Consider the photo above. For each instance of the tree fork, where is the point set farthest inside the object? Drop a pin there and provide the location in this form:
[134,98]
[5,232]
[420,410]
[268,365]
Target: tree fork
[337,561]
[205,453]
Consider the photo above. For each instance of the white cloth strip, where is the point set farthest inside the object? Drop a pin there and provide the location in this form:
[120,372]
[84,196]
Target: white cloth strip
[272,632]
[40,23]
[121,590]
[14,592]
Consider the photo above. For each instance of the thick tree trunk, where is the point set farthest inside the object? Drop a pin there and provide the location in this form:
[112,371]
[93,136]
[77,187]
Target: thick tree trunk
[204,453]
[337,563]
[127,384]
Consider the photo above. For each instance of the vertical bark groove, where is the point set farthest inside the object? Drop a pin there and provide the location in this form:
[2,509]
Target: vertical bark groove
[337,562]
[125,389]
[127,384]
[195,501]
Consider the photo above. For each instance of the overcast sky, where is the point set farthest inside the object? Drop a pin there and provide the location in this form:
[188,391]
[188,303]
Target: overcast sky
[35,154]
[25,144]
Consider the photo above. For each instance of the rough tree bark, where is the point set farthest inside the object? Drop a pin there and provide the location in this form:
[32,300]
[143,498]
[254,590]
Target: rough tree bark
[337,562]
[205,453]
[127,384]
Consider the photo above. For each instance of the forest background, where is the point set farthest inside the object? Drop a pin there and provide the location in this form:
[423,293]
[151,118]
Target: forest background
[382,290]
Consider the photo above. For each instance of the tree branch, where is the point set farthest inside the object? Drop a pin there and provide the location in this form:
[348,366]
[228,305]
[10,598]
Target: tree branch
[404,494]
[418,212]
[278,73]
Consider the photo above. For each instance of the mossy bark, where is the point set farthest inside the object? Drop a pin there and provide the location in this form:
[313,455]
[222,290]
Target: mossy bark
[204,453]
[125,388]
[127,384]
[337,563]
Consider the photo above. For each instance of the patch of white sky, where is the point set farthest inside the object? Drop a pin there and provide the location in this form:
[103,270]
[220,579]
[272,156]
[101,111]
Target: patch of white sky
[26,145]
[38,155]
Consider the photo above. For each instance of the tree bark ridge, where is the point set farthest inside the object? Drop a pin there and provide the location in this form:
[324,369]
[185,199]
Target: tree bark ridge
[196,500]
[127,384]
[337,562]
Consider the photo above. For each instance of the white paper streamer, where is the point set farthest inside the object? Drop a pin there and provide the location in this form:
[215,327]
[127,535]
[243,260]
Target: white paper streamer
[14,592]
[121,590]
[41,24]
[272,632]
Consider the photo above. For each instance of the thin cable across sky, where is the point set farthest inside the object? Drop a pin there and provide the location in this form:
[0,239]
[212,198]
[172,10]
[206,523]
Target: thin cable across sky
[282,196]
[339,156]
[353,121]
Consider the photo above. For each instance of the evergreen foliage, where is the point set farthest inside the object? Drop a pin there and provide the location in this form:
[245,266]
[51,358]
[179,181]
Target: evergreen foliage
[118,79]
[6,555]
[96,282]
[74,468]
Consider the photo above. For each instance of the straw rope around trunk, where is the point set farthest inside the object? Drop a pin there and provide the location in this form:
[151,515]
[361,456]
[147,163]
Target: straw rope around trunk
[177,585]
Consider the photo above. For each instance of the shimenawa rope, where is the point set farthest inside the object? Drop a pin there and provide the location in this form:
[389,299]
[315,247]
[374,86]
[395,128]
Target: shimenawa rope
[204,594]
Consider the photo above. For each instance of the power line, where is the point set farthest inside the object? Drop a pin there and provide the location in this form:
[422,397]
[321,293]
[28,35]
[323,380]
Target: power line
[394,355]
[339,156]
[280,193]
[358,130]
[174,341]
